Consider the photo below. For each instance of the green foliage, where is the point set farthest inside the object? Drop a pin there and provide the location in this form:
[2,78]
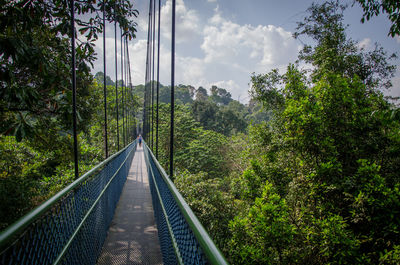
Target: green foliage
[210,202]
[265,235]
[328,156]
[201,94]
[36,97]
[391,257]
[33,172]
[34,169]
[227,120]
[337,53]
[16,188]
[99,76]
[390,7]
[328,133]
[374,209]
[35,61]
[195,149]
[257,114]
[265,88]
[220,95]
[331,241]
[206,153]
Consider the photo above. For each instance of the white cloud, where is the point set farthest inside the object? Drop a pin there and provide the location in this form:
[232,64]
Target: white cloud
[187,21]
[212,1]
[246,45]
[137,50]
[231,51]
[397,38]
[364,44]
[395,89]
[190,70]
[137,56]
[229,85]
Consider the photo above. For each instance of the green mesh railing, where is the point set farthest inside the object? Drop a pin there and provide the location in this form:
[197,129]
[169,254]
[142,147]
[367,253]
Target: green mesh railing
[70,228]
[183,239]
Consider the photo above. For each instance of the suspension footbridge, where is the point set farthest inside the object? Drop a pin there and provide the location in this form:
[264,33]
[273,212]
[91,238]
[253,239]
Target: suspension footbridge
[125,210]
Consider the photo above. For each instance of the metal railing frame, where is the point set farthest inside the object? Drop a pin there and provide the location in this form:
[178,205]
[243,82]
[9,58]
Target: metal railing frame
[11,234]
[210,250]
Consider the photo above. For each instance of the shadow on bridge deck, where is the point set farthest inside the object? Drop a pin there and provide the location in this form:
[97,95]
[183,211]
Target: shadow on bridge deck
[132,237]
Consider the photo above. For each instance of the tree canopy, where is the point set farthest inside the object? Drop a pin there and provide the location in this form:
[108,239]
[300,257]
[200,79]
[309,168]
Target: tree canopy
[36,97]
[35,59]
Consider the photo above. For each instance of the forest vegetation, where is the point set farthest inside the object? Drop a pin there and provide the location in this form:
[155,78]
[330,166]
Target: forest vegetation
[307,172]
[317,181]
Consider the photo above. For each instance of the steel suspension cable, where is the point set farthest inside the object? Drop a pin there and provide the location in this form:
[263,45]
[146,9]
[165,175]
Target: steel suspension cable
[171,158]
[73,73]
[152,87]
[122,87]
[126,91]
[126,99]
[150,67]
[104,81]
[146,80]
[158,73]
[148,62]
[116,71]
[146,90]
[131,89]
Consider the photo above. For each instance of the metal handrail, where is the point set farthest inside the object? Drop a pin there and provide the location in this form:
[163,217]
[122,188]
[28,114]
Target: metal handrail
[174,243]
[18,227]
[211,251]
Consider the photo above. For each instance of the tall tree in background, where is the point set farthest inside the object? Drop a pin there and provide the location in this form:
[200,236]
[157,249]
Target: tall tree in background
[220,95]
[201,94]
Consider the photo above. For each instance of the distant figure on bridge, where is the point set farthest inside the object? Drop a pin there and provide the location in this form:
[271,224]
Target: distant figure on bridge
[140,140]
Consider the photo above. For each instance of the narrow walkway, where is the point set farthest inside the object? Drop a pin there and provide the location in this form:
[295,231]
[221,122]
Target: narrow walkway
[132,237]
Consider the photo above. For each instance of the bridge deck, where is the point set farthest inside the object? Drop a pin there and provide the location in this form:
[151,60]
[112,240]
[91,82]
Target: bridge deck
[132,237]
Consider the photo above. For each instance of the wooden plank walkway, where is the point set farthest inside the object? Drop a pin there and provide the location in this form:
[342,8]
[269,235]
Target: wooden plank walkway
[132,237]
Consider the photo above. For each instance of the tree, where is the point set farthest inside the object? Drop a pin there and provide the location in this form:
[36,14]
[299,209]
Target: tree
[99,76]
[266,235]
[257,113]
[330,152]
[36,97]
[192,91]
[220,95]
[35,60]
[211,203]
[184,94]
[205,113]
[206,153]
[229,122]
[201,94]
[375,7]
[337,53]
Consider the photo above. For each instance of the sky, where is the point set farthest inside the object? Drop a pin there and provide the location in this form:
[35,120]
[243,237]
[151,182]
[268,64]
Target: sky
[222,42]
